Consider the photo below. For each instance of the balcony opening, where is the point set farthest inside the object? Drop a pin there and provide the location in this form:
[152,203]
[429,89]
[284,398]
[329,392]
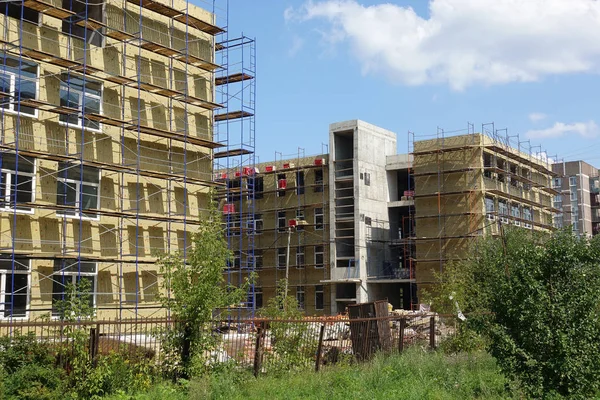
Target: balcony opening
[345,290]
[84,10]
[15,9]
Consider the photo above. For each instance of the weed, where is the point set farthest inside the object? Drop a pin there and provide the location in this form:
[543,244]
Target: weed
[416,374]
[34,382]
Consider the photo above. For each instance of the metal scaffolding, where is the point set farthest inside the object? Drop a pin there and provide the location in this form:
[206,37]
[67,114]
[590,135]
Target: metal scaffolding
[275,216]
[107,143]
[235,164]
[468,184]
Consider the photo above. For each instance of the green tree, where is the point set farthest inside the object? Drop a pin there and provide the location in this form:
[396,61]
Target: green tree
[294,343]
[282,305]
[77,303]
[76,306]
[544,293]
[193,290]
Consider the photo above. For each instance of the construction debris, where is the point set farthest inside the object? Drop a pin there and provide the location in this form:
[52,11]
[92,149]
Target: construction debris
[239,340]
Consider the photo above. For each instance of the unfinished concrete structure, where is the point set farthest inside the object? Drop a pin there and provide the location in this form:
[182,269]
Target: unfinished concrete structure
[467,185]
[365,199]
[359,185]
[345,252]
[579,197]
[389,220]
[275,206]
[106,147]
[398,271]
[354,201]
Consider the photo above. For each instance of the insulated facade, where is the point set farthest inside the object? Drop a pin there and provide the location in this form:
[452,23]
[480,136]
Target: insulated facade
[472,184]
[389,221]
[106,148]
[276,217]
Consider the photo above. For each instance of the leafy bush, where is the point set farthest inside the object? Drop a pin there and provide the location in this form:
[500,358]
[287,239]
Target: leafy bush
[115,373]
[294,344]
[34,382]
[28,368]
[3,377]
[120,371]
[465,340]
[543,291]
[22,350]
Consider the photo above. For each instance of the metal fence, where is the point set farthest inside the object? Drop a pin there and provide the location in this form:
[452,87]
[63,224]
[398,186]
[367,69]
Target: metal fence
[263,345]
[139,337]
[267,345]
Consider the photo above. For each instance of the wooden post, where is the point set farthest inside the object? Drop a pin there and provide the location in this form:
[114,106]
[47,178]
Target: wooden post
[93,347]
[432,333]
[97,343]
[258,349]
[186,349]
[366,341]
[320,348]
[401,336]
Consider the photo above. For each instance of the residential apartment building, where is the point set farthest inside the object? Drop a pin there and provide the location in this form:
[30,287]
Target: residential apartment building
[106,148]
[468,185]
[276,219]
[394,220]
[578,199]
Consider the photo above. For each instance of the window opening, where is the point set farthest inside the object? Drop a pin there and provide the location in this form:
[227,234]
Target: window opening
[78,186]
[14,299]
[83,95]
[18,81]
[72,271]
[17,183]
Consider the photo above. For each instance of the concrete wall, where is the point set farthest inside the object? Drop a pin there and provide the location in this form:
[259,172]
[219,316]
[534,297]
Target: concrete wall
[372,143]
[370,146]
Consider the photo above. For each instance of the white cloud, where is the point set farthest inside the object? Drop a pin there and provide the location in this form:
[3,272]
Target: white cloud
[537,117]
[464,42]
[297,43]
[288,13]
[543,156]
[585,129]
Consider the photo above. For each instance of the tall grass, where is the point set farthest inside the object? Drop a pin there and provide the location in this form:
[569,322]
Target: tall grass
[416,374]
[161,391]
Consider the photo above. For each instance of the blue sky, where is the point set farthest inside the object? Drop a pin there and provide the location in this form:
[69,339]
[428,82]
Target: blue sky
[419,65]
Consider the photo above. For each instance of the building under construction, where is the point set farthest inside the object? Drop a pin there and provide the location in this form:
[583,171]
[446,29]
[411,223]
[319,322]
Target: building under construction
[394,220]
[276,222]
[107,143]
[371,201]
[332,223]
[471,184]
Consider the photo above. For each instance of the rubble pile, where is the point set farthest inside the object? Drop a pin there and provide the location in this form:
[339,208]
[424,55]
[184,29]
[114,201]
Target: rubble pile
[417,325]
[239,339]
